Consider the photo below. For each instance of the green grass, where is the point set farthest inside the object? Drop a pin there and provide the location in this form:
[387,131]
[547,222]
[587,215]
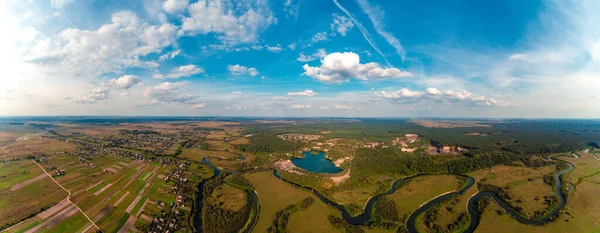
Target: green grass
[17,172]
[137,206]
[145,176]
[29,226]
[113,221]
[98,187]
[71,224]
[271,200]
[517,183]
[197,154]
[420,190]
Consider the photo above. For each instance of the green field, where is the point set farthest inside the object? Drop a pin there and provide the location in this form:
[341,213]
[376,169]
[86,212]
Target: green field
[269,190]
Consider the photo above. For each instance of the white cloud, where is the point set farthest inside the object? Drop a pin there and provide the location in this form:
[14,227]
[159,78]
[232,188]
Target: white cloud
[168,92]
[275,49]
[124,82]
[110,49]
[181,71]
[233,23]
[320,36]
[169,55]
[291,9]
[242,70]
[280,98]
[341,24]
[339,107]
[237,92]
[362,30]
[405,95]
[376,16]
[341,67]
[301,106]
[399,93]
[102,92]
[303,93]
[320,53]
[433,91]
[292,46]
[175,6]
[60,3]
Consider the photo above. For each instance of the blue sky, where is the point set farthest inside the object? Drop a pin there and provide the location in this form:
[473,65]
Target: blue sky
[346,58]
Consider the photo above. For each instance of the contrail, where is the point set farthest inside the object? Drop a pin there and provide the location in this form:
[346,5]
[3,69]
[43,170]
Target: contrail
[363,31]
[376,18]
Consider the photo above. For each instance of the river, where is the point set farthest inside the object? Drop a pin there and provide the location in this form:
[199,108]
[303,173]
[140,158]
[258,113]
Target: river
[411,222]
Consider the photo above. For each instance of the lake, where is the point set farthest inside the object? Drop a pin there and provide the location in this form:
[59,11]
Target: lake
[316,163]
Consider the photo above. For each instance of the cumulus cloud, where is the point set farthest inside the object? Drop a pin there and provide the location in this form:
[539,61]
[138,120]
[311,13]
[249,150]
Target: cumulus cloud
[303,93]
[320,53]
[124,82]
[339,107]
[181,71]
[102,92]
[405,95]
[320,36]
[111,48]
[175,6]
[399,93]
[341,67]
[275,49]
[242,70]
[232,23]
[168,92]
[280,98]
[292,46]
[58,4]
[301,106]
[169,55]
[341,24]
[291,9]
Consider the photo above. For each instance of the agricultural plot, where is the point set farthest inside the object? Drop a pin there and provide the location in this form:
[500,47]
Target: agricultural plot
[25,190]
[109,198]
[34,145]
[198,154]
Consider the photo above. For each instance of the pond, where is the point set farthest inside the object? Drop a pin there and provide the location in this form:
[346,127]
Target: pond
[316,163]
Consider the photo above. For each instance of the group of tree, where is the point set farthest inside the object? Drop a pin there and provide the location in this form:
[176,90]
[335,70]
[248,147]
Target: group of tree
[266,144]
[281,219]
[217,219]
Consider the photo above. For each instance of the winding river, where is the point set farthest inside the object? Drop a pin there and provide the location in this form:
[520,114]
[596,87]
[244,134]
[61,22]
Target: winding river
[411,221]
[200,197]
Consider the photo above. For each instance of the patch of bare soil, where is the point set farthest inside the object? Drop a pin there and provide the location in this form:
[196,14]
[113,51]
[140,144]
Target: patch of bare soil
[340,179]
[288,166]
[27,182]
[127,224]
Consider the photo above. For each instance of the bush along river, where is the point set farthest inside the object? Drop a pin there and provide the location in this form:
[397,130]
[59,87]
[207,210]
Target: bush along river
[197,212]
[198,208]
[364,218]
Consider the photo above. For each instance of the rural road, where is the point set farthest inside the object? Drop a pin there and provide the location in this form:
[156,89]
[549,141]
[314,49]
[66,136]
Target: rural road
[69,196]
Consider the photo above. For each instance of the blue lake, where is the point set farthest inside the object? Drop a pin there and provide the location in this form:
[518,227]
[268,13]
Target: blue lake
[316,163]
